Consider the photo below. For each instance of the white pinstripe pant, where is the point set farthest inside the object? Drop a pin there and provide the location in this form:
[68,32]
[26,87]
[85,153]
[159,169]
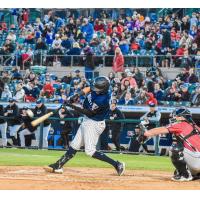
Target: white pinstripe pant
[88,135]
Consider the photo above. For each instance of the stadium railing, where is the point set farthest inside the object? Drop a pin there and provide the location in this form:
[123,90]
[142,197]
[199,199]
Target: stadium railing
[42,58]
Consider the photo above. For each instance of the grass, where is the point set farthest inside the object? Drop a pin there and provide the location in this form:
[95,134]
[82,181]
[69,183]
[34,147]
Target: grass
[23,157]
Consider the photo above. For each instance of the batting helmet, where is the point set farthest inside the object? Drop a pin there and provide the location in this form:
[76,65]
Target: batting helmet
[101,84]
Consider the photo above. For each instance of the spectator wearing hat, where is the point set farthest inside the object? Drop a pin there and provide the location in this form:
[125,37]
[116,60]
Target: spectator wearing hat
[40,110]
[118,61]
[151,98]
[152,115]
[76,78]
[14,123]
[3,127]
[115,127]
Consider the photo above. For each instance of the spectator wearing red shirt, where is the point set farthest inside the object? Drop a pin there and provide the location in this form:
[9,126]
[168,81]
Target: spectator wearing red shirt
[25,16]
[132,81]
[151,98]
[118,61]
[185,150]
[47,90]
[109,29]
[99,26]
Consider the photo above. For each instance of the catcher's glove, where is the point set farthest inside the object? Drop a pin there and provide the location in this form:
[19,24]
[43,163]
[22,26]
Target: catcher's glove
[141,137]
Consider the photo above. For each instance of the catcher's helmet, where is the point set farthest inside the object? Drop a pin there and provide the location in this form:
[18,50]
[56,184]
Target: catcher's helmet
[181,112]
[101,84]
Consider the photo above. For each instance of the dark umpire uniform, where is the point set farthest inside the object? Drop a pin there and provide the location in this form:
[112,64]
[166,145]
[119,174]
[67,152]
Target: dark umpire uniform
[115,127]
[39,111]
[3,127]
[14,124]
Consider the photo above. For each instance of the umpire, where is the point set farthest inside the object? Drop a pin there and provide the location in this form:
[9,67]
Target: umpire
[12,111]
[40,110]
[115,127]
[3,127]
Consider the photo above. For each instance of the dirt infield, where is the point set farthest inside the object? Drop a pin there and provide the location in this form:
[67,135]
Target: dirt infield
[87,178]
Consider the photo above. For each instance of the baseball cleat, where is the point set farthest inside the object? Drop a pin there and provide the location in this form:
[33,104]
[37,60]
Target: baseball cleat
[180,178]
[52,169]
[120,168]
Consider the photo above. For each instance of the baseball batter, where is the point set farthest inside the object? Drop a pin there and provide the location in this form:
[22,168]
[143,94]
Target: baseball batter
[185,150]
[95,110]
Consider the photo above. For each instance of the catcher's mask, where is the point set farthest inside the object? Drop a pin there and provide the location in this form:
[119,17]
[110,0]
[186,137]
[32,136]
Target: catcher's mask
[180,112]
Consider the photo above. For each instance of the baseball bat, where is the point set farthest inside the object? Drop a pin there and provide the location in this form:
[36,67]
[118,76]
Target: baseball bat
[46,116]
[41,119]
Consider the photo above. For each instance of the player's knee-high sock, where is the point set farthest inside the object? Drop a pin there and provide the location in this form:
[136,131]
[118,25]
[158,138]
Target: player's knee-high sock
[101,156]
[65,158]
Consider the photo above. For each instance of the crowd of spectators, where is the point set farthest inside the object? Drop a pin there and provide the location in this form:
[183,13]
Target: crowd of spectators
[172,37]
[131,87]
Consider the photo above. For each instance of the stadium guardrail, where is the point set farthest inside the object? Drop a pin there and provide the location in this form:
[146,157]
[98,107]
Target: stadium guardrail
[42,58]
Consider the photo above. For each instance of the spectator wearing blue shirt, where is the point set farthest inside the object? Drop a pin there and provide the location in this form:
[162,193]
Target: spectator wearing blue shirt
[58,23]
[87,29]
[66,42]
[193,20]
[158,93]
[127,100]
[124,46]
[77,78]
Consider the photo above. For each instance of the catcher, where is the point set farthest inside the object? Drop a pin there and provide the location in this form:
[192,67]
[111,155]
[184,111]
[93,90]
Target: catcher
[185,150]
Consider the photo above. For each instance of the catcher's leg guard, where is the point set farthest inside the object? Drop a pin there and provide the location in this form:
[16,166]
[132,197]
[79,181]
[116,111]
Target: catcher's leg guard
[177,158]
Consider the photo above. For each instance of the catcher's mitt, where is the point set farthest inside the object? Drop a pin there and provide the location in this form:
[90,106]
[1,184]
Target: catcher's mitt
[141,137]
